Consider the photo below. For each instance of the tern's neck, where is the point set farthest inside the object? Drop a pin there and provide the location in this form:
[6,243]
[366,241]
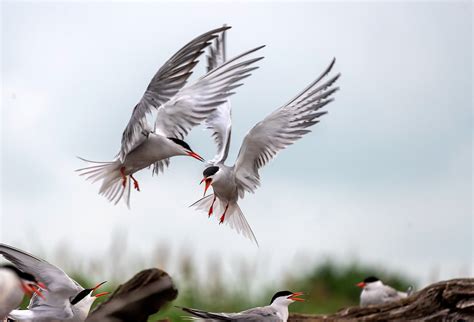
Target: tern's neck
[282,310]
[81,309]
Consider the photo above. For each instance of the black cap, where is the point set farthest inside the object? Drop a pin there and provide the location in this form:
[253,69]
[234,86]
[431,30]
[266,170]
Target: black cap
[371,279]
[181,142]
[210,171]
[280,294]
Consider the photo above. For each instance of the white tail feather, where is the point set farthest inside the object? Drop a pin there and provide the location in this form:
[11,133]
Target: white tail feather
[112,184]
[234,216]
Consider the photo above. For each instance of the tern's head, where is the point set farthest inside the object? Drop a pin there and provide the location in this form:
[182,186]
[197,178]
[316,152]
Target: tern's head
[88,295]
[285,298]
[182,148]
[208,176]
[369,281]
[29,283]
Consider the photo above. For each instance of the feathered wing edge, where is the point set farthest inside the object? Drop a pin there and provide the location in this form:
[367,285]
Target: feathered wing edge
[234,216]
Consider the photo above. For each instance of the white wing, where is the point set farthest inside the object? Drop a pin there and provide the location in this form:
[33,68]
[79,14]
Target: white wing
[169,79]
[195,102]
[60,287]
[280,129]
[220,121]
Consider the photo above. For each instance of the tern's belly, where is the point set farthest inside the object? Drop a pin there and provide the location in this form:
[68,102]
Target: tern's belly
[226,191]
[144,155]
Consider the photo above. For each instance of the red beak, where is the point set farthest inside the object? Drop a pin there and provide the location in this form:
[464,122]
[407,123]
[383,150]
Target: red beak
[30,289]
[40,284]
[361,284]
[101,294]
[208,184]
[294,297]
[98,285]
[196,156]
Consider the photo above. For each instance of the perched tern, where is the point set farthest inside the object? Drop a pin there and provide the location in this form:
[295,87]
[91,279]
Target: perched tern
[278,130]
[178,109]
[64,298]
[375,292]
[14,284]
[277,311]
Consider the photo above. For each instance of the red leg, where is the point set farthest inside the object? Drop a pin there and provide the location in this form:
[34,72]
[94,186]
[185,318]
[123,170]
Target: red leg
[223,215]
[135,183]
[212,207]
[124,177]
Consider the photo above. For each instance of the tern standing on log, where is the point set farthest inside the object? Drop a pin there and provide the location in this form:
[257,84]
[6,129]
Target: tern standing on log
[64,298]
[278,130]
[178,109]
[277,311]
[376,292]
[14,284]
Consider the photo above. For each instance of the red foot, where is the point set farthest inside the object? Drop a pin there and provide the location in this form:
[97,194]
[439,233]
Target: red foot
[135,183]
[212,207]
[124,177]
[223,215]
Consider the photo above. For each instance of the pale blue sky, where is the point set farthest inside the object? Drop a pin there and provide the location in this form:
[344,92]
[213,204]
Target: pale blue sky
[386,177]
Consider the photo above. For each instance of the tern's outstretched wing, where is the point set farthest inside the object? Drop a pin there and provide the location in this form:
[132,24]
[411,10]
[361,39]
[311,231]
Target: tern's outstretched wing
[280,129]
[169,79]
[193,103]
[219,121]
[60,287]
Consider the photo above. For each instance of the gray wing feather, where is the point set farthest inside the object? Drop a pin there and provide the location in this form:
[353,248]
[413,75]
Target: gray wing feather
[253,315]
[194,103]
[280,129]
[220,121]
[169,79]
[217,52]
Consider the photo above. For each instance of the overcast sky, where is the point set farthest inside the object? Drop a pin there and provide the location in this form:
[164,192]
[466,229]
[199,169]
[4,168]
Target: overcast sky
[386,177]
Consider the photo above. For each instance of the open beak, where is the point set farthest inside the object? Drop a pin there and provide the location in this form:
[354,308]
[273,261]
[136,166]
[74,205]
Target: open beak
[31,289]
[96,287]
[294,297]
[208,184]
[361,284]
[196,156]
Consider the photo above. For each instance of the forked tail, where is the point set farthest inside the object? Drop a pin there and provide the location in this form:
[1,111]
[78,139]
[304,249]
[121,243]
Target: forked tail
[113,187]
[234,216]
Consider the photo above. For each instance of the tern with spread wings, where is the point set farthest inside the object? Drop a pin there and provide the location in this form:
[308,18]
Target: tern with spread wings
[277,311]
[64,298]
[278,130]
[179,108]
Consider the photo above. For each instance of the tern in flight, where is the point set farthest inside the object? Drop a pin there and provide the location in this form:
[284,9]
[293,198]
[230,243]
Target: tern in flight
[277,131]
[14,284]
[277,311]
[376,292]
[178,108]
[64,298]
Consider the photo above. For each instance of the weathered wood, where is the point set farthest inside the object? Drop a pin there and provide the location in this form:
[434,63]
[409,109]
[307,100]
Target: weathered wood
[451,300]
[137,299]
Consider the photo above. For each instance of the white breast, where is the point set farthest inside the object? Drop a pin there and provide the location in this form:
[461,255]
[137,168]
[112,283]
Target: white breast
[11,293]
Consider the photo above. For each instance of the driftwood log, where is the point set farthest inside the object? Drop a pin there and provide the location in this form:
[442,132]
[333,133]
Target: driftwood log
[143,295]
[451,300]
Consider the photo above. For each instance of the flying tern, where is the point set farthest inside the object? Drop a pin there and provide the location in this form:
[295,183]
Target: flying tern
[14,284]
[278,130]
[178,109]
[376,292]
[64,298]
[277,311]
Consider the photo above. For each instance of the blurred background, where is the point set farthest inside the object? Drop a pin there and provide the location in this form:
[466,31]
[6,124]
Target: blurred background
[383,185]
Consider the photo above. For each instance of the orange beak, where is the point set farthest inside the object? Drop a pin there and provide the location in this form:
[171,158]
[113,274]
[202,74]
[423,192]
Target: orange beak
[196,156]
[361,284]
[208,184]
[294,297]
[32,289]
[100,294]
